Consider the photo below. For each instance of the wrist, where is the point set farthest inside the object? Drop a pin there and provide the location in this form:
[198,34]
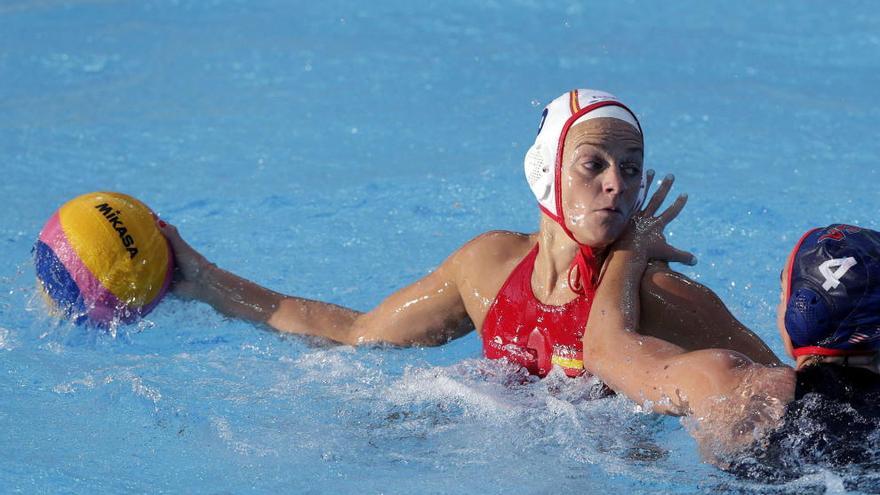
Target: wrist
[630,255]
[203,281]
[204,272]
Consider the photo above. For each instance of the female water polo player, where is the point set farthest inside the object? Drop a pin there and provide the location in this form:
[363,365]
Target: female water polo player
[528,296]
[829,320]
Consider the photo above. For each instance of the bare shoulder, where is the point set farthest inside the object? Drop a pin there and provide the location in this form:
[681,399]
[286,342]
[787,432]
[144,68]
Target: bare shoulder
[494,247]
[481,266]
[501,239]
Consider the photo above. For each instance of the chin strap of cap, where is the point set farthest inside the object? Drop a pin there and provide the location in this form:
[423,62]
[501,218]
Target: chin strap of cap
[583,267]
[583,272]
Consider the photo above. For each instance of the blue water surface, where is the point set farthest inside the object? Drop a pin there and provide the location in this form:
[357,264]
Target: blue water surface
[339,150]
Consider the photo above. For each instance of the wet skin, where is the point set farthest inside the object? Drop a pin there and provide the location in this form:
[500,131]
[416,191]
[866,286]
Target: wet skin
[735,400]
[601,174]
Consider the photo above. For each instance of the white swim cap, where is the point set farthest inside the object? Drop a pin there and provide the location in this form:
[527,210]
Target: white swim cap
[543,162]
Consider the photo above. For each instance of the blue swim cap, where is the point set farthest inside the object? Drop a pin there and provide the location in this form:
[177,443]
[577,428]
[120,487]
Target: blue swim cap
[833,305]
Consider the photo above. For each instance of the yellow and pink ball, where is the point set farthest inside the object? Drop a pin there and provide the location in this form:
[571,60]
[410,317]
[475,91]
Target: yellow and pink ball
[101,259]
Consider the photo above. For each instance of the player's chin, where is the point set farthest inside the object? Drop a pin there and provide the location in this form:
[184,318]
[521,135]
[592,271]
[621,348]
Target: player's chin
[602,233]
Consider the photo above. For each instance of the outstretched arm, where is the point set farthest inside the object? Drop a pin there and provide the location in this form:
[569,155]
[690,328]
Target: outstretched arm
[428,312]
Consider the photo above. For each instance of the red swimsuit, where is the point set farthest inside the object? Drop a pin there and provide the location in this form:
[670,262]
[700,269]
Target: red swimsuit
[535,335]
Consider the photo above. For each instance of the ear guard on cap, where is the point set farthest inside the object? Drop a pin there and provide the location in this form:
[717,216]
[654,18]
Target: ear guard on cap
[568,109]
[539,175]
[807,317]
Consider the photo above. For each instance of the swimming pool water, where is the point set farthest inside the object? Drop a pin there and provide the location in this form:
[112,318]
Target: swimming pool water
[339,150]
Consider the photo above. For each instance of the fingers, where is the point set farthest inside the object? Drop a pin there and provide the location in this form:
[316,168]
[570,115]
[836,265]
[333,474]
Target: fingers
[649,179]
[678,256]
[170,232]
[165,227]
[674,209]
[659,196]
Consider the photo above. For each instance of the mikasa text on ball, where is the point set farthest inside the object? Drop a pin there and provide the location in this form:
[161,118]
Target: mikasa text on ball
[100,258]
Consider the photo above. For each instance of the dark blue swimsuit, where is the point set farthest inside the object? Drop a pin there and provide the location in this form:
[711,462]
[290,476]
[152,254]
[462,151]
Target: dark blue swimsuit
[833,423]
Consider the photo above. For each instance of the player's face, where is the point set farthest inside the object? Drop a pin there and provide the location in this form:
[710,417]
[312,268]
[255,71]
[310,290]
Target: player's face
[601,175]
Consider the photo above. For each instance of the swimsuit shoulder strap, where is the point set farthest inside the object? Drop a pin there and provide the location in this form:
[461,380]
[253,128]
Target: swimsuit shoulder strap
[518,283]
[520,278]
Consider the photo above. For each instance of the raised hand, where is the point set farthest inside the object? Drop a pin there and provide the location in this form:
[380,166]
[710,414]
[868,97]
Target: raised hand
[645,232]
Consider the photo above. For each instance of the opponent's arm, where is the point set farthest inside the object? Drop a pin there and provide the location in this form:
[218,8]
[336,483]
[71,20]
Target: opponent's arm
[734,400]
[646,368]
[642,367]
[428,312]
[690,315]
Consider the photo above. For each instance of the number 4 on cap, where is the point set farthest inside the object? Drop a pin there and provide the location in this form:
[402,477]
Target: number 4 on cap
[832,280]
